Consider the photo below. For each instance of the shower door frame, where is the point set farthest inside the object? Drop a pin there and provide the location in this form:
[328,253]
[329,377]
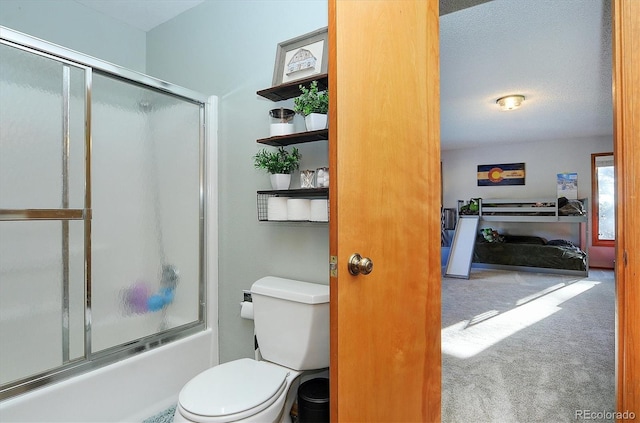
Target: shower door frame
[90,360]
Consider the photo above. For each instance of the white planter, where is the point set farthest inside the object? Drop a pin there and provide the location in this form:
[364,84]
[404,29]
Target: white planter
[281,129]
[315,121]
[280,180]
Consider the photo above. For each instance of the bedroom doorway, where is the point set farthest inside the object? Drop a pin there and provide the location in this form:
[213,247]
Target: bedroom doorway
[626,95]
[492,313]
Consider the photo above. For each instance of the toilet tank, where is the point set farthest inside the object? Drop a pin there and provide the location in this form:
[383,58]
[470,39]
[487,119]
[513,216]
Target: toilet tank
[292,322]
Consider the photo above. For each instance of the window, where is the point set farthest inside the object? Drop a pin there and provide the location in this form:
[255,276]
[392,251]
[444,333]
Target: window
[603,206]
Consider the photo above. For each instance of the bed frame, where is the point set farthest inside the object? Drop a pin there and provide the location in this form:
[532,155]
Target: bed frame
[536,210]
[540,210]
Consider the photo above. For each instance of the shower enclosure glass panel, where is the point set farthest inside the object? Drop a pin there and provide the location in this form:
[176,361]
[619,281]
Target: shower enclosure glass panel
[145,227]
[37,122]
[42,178]
[102,213]
[31,297]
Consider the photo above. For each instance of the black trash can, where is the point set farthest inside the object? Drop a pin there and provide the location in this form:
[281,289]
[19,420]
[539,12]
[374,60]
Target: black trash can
[313,401]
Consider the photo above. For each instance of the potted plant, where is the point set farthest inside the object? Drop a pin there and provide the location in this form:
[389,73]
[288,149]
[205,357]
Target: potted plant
[313,105]
[279,164]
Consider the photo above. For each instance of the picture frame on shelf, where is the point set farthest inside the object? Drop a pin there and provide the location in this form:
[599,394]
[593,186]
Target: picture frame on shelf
[301,57]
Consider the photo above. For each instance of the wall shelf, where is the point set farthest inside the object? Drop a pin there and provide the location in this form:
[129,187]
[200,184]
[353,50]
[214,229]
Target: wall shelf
[285,92]
[312,193]
[297,138]
[291,89]
[297,193]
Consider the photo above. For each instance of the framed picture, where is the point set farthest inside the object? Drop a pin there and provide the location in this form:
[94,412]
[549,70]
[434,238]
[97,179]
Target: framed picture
[568,185]
[301,57]
[501,174]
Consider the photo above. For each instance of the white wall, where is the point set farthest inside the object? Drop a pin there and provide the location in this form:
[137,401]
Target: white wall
[543,161]
[74,26]
[227,48]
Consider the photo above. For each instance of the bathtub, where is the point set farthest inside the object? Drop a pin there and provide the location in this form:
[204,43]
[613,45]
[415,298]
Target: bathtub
[127,391]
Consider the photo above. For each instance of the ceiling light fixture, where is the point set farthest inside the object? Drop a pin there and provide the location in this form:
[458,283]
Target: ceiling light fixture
[510,102]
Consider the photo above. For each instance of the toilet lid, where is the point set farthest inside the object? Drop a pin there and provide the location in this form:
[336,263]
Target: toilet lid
[234,387]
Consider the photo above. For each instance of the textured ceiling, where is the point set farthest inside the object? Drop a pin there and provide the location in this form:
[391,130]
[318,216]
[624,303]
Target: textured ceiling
[556,53]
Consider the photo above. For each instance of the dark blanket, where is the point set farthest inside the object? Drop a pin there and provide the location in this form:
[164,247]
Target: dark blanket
[530,252]
[570,207]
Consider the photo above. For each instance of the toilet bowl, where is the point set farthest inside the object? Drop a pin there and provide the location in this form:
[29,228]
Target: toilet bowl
[243,390]
[292,329]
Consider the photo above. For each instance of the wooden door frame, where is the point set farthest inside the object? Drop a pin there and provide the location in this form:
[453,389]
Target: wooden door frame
[626,112]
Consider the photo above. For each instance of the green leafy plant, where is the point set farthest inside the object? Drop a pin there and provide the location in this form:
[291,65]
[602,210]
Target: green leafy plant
[311,100]
[279,161]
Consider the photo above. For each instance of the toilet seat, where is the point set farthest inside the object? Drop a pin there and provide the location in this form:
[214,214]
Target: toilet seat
[232,391]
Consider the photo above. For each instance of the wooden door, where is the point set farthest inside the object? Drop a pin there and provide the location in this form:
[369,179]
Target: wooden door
[384,160]
[384,151]
[626,107]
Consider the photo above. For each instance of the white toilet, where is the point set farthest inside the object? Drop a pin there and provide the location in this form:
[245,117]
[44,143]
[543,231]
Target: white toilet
[292,327]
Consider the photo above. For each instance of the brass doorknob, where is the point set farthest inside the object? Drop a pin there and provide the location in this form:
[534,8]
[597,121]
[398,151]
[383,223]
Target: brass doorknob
[359,264]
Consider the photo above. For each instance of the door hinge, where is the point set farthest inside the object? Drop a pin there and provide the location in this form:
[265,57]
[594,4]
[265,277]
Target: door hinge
[333,266]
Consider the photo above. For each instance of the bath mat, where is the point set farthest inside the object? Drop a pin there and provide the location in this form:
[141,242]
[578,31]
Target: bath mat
[165,416]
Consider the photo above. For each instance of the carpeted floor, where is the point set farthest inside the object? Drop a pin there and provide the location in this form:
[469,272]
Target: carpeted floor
[528,347]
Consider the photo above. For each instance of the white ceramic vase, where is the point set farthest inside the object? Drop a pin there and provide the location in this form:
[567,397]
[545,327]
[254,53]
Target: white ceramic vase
[315,121]
[280,180]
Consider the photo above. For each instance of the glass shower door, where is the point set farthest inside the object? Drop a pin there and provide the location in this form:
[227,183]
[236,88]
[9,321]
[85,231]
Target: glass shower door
[102,199]
[146,212]
[42,199]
